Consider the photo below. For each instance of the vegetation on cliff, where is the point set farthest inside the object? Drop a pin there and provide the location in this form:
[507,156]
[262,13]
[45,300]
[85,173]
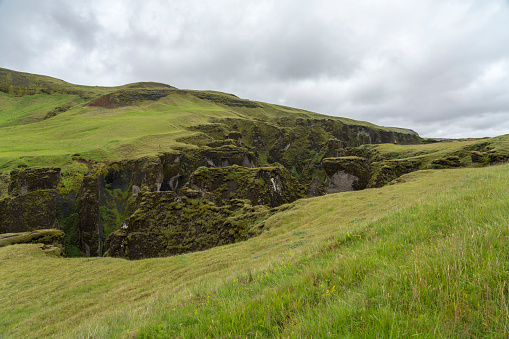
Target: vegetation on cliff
[67,122]
[216,182]
[108,143]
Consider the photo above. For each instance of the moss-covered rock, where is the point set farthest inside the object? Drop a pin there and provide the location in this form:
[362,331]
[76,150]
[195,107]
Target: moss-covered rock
[166,224]
[384,172]
[300,144]
[498,155]
[51,239]
[479,157]
[28,212]
[270,185]
[30,179]
[447,162]
[346,173]
[89,217]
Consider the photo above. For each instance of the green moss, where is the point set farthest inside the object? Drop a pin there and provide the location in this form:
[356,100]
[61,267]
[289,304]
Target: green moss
[70,182]
[52,239]
[69,226]
[165,225]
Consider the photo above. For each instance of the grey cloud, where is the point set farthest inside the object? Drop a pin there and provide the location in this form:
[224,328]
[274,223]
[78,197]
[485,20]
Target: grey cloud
[438,67]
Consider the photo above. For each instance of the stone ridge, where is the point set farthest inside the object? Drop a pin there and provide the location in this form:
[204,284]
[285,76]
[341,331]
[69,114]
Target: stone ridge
[129,97]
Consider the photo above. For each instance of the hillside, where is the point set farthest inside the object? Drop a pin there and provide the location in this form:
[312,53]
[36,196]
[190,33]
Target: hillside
[426,257]
[46,121]
[239,219]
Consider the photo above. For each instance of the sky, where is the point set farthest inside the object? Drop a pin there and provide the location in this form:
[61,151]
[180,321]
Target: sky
[439,67]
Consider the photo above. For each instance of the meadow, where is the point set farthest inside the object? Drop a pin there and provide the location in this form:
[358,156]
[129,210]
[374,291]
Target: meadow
[427,257]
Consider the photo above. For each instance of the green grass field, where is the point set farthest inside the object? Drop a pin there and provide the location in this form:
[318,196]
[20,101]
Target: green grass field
[426,258]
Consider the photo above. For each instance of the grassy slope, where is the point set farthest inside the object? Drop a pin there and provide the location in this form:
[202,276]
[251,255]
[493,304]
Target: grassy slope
[427,256]
[102,134]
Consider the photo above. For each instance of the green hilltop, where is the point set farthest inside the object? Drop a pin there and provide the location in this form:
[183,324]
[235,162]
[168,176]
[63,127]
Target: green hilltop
[46,121]
[251,220]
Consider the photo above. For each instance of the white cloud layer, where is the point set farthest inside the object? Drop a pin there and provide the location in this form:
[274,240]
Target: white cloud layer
[440,67]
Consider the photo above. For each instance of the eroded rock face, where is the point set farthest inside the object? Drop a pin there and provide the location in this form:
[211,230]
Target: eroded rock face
[89,218]
[166,224]
[479,157]
[384,172]
[25,180]
[218,206]
[315,188]
[28,212]
[346,173]
[448,162]
[270,185]
[128,97]
[31,201]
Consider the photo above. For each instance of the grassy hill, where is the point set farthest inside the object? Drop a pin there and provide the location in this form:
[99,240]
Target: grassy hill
[121,139]
[45,121]
[426,257]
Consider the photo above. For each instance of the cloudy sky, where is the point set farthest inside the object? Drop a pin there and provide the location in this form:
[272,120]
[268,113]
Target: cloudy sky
[440,67]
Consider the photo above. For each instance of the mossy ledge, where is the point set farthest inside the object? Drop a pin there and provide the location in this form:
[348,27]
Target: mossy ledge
[51,239]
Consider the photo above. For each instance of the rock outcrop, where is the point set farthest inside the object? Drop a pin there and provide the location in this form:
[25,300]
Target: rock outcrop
[25,180]
[384,172]
[218,206]
[346,173]
[89,218]
[165,224]
[31,201]
[270,185]
[447,162]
